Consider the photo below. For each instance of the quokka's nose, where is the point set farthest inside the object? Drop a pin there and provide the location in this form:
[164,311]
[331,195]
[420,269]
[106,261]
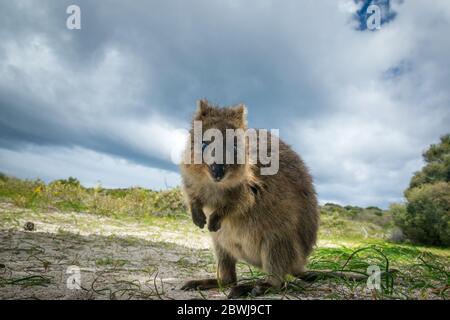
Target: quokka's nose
[218,171]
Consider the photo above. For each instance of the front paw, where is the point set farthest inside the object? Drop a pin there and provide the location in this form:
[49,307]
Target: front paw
[214,222]
[198,217]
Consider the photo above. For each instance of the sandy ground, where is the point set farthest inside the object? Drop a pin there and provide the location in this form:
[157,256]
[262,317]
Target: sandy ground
[116,260]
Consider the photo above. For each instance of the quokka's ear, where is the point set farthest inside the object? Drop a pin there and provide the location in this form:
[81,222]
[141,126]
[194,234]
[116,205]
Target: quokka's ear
[203,109]
[240,111]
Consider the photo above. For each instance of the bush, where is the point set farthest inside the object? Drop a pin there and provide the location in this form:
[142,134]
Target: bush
[431,173]
[437,168]
[373,211]
[426,218]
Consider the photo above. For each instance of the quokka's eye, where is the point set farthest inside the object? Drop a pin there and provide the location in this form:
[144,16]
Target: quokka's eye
[204,145]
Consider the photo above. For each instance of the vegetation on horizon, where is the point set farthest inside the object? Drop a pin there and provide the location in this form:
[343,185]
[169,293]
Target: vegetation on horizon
[70,196]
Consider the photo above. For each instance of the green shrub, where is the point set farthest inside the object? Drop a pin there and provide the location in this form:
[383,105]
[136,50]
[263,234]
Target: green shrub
[437,168]
[374,210]
[426,217]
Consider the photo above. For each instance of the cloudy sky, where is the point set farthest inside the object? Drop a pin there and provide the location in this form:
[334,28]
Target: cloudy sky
[105,103]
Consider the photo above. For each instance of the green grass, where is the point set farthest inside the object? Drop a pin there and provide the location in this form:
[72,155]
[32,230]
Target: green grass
[407,273]
[28,281]
[401,264]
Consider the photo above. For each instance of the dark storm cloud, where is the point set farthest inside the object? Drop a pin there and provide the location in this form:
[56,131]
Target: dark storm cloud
[195,49]
[23,122]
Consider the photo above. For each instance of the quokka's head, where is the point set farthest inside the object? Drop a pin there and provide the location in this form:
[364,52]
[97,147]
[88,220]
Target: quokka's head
[221,142]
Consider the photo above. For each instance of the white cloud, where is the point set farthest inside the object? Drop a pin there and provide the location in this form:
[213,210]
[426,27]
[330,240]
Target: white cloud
[366,145]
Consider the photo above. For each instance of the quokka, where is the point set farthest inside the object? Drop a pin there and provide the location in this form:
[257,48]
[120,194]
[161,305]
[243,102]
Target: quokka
[268,221]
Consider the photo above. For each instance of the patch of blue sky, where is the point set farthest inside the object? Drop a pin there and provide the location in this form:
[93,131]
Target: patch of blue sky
[361,15]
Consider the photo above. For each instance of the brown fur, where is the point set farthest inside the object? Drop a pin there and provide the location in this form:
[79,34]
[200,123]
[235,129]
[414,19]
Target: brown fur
[268,221]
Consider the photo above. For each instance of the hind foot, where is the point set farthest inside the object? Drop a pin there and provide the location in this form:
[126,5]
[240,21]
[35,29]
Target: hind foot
[245,289]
